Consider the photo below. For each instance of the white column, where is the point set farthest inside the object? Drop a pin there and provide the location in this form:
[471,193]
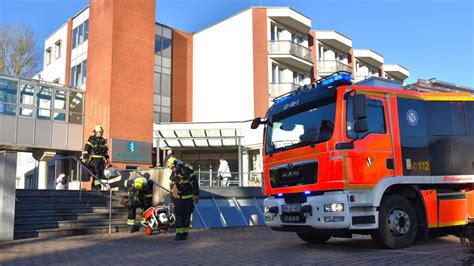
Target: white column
[7,194]
[43,175]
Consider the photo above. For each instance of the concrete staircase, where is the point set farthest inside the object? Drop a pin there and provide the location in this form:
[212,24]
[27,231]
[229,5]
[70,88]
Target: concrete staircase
[57,213]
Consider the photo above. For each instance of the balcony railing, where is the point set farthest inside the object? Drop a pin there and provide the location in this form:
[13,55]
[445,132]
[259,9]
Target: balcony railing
[332,66]
[277,89]
[289,48]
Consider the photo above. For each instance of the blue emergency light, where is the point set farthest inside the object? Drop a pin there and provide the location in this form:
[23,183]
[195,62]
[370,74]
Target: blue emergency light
[280,194]
[334,80]
[307,192]
[331,81]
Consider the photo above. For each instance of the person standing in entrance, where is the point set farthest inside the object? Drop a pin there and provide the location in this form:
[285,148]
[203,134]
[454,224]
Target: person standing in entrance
[96,155]
[224,172]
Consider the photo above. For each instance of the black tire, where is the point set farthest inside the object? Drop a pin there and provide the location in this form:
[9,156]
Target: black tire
[402,232]
[314,238]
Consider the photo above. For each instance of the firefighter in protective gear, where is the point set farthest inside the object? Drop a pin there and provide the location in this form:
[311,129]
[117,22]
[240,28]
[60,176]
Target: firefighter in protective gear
[96,155]
[170,159]
[185,190]
[139,195]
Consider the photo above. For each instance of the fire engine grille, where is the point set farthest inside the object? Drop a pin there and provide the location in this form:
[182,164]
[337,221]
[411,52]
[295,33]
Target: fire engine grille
[297,174]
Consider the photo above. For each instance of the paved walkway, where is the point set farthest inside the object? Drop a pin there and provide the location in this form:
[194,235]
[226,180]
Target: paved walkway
[258,246]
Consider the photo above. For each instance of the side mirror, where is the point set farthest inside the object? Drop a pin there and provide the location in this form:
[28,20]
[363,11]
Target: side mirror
[360,107]
[361,126]
[256,122]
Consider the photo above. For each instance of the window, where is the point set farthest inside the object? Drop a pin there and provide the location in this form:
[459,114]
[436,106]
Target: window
[375,118]
[445,119]
[43,102]
[166,47]
[78,74]
[57,49]
[311,125]
[157,44]
[80,34]
[8,94]
[469,108]
[48,56]
[274,73]
[74,38]
[86,30]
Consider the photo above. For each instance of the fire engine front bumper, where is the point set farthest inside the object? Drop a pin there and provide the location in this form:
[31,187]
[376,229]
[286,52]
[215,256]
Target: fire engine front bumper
[323,212]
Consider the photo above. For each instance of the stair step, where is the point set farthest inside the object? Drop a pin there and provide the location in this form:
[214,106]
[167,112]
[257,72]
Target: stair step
[64,199]
[62,232]
[60,193]
[60,205]
[83,209]
[37,226]
[38,218]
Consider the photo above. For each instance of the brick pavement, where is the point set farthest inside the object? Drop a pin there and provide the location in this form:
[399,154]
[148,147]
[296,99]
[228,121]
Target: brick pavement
[258,245]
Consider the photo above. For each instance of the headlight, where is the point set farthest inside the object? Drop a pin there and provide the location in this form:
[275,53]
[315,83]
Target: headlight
[334,207]
[266,209]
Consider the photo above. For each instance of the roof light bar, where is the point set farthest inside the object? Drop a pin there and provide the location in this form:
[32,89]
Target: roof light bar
[332,81]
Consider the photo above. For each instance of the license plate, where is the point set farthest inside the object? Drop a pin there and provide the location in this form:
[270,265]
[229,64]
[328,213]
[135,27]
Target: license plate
[290,218]
[292,208]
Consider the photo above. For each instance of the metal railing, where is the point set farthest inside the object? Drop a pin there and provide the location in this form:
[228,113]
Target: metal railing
[212,179]
[277,89]
[332,66]
[103,183]
[289,48]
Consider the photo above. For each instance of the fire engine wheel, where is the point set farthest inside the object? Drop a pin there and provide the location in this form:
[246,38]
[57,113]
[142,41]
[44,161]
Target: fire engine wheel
[397,223]
[314,238]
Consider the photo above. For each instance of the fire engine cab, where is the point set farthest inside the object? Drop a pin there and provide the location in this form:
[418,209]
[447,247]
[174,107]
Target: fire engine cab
[393,163]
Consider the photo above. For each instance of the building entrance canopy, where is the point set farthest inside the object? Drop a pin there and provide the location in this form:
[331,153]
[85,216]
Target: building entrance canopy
[198,138]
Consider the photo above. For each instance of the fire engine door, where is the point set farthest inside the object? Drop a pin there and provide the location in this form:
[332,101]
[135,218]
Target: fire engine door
[371,159]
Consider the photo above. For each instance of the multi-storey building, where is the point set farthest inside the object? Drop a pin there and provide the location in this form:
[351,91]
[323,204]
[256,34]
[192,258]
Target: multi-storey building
[196,93]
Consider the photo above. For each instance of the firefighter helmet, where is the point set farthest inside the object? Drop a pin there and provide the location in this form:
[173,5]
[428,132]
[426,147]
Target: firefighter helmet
[98,128]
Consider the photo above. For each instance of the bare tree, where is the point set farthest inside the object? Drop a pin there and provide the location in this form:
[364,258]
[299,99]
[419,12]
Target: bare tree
[19,55]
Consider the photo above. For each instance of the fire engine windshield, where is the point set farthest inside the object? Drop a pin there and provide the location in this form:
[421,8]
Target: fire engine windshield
[301,127]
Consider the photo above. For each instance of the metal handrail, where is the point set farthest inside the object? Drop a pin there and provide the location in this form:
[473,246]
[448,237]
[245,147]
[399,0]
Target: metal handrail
[95,177]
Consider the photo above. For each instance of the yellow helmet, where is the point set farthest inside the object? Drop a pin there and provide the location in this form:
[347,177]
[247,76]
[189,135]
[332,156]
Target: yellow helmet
[98,128]
[139,183]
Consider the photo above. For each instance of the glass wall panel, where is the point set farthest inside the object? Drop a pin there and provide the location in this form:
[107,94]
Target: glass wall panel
[165,85]
[230,212]
[26,94]
[60,100]
[75,101]
[250,211]
[209,213]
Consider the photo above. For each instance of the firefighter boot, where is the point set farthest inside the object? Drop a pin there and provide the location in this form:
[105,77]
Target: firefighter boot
[185,236]
[131,228]
[179,236]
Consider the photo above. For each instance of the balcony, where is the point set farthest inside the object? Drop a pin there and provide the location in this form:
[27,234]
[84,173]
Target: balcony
[334,39]
[397,72]
[290,53]
[369,57]
[277,89]
[327,67]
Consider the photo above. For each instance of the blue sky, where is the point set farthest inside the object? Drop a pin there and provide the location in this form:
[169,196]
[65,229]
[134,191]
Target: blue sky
[432,38]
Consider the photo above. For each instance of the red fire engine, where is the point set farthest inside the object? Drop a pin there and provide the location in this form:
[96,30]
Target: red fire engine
[342,159]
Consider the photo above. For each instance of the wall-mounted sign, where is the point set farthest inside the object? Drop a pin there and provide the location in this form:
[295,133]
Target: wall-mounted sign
[131,151]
